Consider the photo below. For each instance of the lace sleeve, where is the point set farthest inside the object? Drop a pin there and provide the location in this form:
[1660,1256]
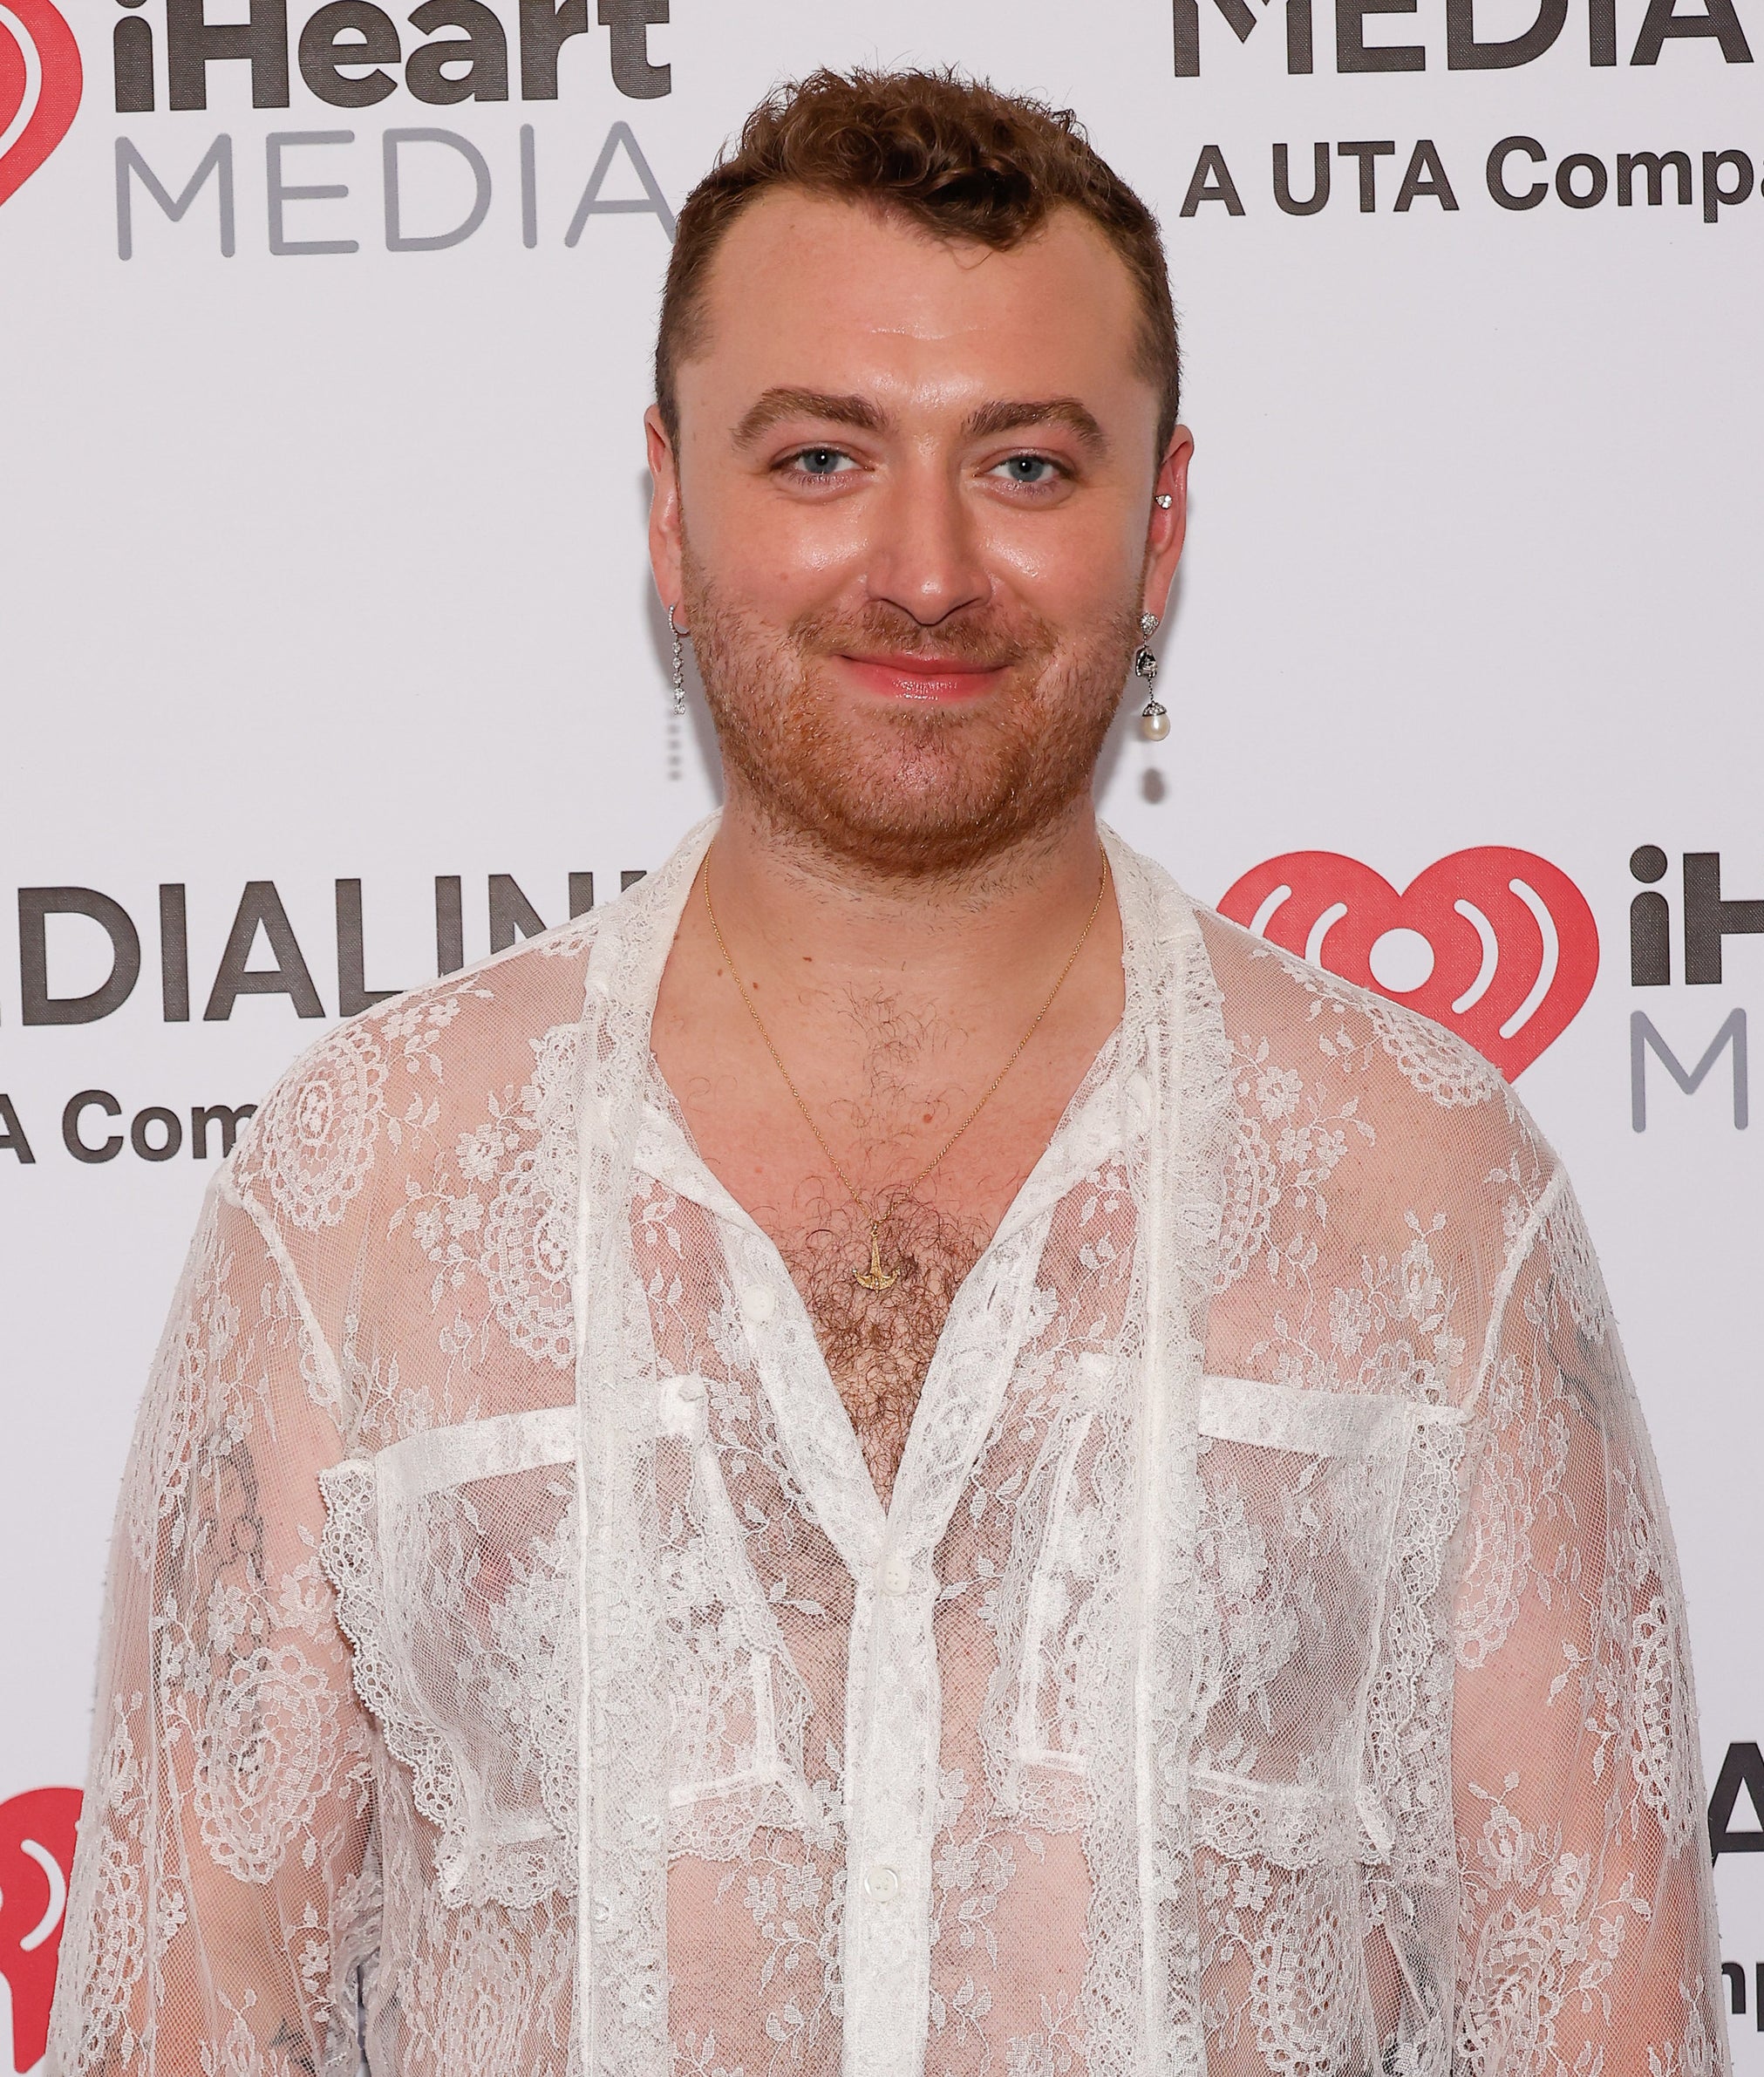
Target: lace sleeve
[1587,1937]
[224,1898]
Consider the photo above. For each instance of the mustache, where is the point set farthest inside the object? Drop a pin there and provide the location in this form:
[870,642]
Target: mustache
[990,640]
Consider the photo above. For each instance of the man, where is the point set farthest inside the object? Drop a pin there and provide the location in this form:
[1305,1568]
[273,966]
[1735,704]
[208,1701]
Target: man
[898,1453]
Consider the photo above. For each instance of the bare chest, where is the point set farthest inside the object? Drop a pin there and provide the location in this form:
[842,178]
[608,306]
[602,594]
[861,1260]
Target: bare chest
[878,1268]
[878,1138]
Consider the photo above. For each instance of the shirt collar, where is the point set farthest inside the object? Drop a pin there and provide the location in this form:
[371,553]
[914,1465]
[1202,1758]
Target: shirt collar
[630,951]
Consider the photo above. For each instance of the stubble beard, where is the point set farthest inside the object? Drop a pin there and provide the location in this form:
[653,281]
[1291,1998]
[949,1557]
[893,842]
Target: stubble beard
[924,793]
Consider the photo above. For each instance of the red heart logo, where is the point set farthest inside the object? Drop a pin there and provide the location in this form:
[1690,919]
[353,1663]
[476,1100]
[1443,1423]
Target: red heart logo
[1497,945]
[36,1860]
[40,81]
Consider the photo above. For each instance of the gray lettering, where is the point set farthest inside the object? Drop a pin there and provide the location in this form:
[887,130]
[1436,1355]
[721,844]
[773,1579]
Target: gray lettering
[398,240]
[1643,1037]
[656,204]
[280,194]
[217,159]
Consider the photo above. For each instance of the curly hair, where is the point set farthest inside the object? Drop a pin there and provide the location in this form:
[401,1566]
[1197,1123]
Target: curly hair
[950,154]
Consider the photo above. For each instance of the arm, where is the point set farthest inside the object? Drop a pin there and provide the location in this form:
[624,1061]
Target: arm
[1587,1935]
[223,1893]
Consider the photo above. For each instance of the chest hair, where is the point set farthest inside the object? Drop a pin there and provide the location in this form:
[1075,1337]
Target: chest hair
[878,1344]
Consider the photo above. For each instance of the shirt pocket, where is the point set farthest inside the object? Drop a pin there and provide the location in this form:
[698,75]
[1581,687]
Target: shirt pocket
[1323,1522]
[456,1558]
[738,1708]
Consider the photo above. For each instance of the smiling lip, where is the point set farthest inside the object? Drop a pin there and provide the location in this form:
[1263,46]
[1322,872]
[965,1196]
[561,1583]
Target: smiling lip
[945,679]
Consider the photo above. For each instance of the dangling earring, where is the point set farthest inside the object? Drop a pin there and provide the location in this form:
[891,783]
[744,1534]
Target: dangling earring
[679,667]
[676,717]
[1155,723]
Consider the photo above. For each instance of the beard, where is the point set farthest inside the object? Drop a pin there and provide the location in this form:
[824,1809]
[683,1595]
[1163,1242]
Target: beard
[923,791]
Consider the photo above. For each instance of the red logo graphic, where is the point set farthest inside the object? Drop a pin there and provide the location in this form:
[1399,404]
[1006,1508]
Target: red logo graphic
[36,1861]
[1497,945]
[40,81]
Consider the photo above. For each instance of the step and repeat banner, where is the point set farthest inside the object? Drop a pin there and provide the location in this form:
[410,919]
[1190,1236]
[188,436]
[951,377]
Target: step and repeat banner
[330,658]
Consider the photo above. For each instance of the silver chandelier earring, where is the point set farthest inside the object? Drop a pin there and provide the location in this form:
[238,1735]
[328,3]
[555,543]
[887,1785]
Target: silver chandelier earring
[1155,723]
[676,716]
[679,666]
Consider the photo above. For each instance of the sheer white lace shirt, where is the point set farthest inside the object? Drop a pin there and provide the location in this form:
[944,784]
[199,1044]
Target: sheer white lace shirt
[1271,1660]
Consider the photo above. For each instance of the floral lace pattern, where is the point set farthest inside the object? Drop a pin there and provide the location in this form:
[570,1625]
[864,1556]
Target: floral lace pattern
[1271,1663]
[265,1753]
[314,1144]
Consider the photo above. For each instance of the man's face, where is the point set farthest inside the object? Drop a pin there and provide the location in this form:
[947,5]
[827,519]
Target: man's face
[912,523]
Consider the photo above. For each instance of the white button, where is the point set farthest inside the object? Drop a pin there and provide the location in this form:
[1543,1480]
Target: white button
[759,1302]
[896,1575]
[881,1882]
[690,1389]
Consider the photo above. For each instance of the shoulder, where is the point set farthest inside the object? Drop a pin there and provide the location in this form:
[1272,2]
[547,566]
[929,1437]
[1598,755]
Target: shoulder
[415,1070]
[1378,1170]
[1436,1089]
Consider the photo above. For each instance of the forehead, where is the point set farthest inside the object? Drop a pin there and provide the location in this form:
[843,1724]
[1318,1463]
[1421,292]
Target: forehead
[828,294]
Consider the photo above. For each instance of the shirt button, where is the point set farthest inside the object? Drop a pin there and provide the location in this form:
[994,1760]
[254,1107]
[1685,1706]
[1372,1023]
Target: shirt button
[759,1302]
[690,1389]
[896,1575]
[881,1882]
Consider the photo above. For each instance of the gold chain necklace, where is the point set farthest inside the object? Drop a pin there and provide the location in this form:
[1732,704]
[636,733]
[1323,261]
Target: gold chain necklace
[875,1277]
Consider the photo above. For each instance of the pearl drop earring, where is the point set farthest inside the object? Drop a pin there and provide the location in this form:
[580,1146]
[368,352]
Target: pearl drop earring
[1154,722]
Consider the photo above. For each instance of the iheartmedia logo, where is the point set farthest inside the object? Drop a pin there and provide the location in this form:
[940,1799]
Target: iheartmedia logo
[35,1862]
[1709,915]
[1498,945]
[352,55]
[40,82]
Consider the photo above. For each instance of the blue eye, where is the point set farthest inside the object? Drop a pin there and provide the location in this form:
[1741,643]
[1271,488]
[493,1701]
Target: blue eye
[818,462]
[1029,468]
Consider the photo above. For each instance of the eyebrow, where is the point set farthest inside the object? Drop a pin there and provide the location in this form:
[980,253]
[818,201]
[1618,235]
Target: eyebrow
[1004,415]
[776,405]
[1009,416]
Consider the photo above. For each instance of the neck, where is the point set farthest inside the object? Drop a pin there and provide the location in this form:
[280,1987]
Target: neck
[964,932]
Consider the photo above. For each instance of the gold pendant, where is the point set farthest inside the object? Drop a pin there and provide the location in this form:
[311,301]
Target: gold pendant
[875,1277]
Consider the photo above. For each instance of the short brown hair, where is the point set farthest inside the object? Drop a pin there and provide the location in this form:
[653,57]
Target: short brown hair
[952,154]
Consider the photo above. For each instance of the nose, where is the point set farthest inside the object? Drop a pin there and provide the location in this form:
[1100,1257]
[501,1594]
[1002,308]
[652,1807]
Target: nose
[924,556]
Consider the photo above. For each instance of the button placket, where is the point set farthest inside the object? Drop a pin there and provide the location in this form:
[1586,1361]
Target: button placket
[892,1735]
[894,1721]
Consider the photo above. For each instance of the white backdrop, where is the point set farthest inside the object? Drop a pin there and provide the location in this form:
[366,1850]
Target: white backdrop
[328,565]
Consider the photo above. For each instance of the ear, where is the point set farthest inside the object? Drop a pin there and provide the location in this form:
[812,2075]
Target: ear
[1168,525]
[665,510]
